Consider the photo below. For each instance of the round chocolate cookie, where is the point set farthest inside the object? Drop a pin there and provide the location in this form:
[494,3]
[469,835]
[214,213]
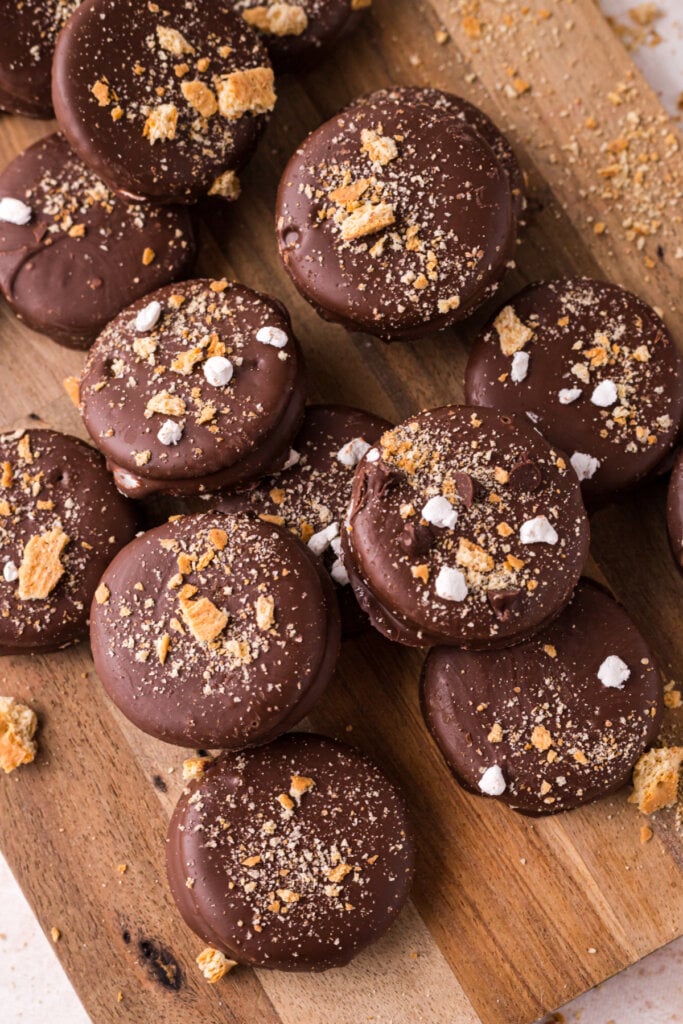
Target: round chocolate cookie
[61,523]
[165,102]
[299,34]
[195,387]
[396,217]
[465,527]
[215,631]
[27,45]
[674,510]
[73,253]
[596,371]
[554,722]
[315,864]
[471,117]
[311,497]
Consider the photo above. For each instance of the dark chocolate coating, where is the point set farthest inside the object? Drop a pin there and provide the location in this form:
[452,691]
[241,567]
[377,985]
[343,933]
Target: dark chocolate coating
[28,32]
[498,474]
[118,45]
[540,713]
[69,285]
[310,37]
[584,333]
[333,870]
[674,510]
[472,117]
[316,491]
[49,481]
[230,433]
[453,229]
[243,685]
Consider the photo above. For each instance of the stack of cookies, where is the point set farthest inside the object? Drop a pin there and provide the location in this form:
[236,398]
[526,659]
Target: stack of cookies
[274,528]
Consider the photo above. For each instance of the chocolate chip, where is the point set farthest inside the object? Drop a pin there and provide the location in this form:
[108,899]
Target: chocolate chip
[416,539]
[504,602]
[525,476]
[467,488]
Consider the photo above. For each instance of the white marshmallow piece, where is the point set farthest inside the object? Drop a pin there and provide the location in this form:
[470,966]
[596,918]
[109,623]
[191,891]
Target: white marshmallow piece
[320,541]
[352,452]
[272,336]
[148,318]
[439,512]
[373,455]
[492,782]
[10,572]
[538,531]
[614,672]
[569,395]
[13,211]
[218,371]
[170,432]
[585,466]
[605,394]
[339,573]
[450,584]
[292,459]
[520,367]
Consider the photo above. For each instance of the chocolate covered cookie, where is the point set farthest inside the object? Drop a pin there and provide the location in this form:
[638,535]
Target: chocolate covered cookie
[61,523]
[396,217]
[293,857]
[674,511]
[596,371]
[72,252]
[300,34]
[27,45]
[555,722]
[465,527]
[195,387]
[165,102]
[311,496]
[215,631]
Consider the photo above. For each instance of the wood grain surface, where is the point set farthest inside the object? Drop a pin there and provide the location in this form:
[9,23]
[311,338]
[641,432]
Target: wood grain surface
[510,917]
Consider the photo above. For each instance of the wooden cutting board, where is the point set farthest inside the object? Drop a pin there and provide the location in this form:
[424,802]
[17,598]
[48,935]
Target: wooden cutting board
[510,917]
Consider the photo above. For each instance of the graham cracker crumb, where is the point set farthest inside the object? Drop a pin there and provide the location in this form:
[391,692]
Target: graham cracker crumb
[227,185]
[277,19]
[203,619]
[512,333]
[18,724]
[265,612]
[214,964]
[368,219]
[246,92]
[161,123]
[173,41]
[380,148]
[41,568]
[194,767]
[655,779]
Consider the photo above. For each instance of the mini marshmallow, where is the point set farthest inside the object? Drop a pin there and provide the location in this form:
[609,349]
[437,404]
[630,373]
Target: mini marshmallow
[352,452]
[335,545]
[585,466]
[520,367]
[10,572]
[605,394]
[492,781]
[320,541]
[170,432]
[538,531]
[450,584]
[272,336]
[339,573]
[13,211]
[292,459]
[148,318]
[372,455]
[439,512]
[218,371]
[569,395]
[614,672]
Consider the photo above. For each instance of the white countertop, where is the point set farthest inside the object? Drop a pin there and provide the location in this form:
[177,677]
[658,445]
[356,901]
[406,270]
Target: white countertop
[35,990]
